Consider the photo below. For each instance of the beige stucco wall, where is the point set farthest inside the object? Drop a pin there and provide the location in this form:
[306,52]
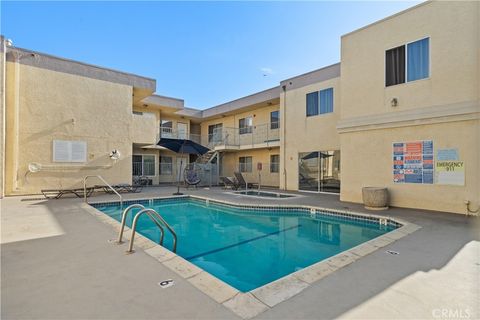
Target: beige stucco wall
[230,164]
[261,117]
[453,31]
[442,108]
[373,166]
[306,134]
[2,114]
[44,105]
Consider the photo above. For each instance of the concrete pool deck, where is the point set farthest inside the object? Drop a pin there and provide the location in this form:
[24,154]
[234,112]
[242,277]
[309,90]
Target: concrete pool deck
[57,263]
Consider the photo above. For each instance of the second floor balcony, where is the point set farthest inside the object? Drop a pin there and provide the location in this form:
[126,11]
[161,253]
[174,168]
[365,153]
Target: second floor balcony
[168,132]
[256,136]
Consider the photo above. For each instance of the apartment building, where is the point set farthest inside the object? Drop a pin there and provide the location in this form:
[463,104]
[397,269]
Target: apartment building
[401,110]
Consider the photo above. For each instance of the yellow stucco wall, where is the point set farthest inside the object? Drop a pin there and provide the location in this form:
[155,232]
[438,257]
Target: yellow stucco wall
[367,161]
[306,134]
[44,105]
[442,108]
[230,164]
[2,115]
[261,116]
[453,31]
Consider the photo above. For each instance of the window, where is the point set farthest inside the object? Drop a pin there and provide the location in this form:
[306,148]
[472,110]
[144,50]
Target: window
[395,66]
[215,132]
[326,101]
[417,60]
[166,129]
[143,165]
[166,166]
[312,104]
[274,163]
[416,66]
[274,120]
[138,113]
[320,102]
[245,164]
[245,125]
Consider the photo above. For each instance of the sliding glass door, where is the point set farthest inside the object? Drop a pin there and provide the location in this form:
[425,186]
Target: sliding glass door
[319,171]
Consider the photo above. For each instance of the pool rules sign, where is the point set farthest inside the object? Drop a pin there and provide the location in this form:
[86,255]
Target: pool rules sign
[413,162]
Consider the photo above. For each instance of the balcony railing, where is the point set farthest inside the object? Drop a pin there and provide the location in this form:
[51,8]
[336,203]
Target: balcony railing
[263,134]
[167,132]
[143,168]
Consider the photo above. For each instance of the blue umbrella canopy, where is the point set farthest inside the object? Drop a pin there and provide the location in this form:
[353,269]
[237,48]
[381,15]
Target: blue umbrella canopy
[182,146]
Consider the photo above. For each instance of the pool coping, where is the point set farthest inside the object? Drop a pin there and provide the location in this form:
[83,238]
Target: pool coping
[250,304]
[290,196]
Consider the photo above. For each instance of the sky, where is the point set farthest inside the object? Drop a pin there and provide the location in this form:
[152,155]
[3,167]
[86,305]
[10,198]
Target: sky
[206,53]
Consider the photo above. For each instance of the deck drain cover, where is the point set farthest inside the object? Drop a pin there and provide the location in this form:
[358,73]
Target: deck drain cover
[166,283]
[392,252]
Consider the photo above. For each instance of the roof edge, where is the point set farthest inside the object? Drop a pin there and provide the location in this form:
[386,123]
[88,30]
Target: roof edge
[59,64]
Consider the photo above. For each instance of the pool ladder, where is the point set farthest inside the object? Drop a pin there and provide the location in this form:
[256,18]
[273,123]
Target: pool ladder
[156,219]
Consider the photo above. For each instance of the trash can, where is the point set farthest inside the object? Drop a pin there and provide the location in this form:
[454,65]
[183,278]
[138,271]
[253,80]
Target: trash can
[375,198]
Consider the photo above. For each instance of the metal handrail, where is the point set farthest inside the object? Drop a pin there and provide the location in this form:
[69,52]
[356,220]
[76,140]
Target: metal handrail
[104,181]
[124,220]
[154,215]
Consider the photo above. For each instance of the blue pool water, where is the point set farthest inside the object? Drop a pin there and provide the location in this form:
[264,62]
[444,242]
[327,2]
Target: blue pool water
[250,248]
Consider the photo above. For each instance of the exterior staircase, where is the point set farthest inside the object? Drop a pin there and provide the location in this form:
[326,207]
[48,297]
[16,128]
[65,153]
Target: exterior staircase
[207,157]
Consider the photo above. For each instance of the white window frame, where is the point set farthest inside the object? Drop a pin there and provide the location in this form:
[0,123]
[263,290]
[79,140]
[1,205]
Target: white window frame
[242,166]
[160,164]
[143,164]
[406,61]
[250,128]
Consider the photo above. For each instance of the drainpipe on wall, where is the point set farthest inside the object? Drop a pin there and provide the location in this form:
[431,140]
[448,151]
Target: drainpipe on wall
[284,88]
[3,51]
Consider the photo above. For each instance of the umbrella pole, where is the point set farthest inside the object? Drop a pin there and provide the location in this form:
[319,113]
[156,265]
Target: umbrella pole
[178,193]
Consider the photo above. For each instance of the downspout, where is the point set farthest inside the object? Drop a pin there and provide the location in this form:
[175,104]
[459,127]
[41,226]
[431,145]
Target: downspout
[3,110]
[284,117]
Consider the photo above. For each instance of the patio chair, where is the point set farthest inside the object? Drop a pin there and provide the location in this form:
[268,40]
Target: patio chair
[229,183]
[191,178]
[241,181]
[58,193]
[120,188]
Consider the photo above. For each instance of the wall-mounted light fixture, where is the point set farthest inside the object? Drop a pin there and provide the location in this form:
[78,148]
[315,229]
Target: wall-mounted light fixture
[114,154]
[394,102]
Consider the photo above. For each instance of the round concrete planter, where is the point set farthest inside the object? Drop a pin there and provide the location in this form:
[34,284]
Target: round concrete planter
[375,198]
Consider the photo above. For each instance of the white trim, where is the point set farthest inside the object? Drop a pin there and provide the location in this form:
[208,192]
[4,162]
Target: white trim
[154,164]
[468,110]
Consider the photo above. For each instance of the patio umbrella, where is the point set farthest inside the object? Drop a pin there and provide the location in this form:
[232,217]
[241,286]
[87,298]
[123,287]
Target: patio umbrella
[182,146]
[316,154]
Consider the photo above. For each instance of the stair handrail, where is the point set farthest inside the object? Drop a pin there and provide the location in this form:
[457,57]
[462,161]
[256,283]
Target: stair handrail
[153,216]
[104,181]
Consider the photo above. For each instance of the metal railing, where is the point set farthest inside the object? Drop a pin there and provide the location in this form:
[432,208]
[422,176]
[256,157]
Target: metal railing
[158,220]
[143,168]
[167,132]
[265,133]
[106,183]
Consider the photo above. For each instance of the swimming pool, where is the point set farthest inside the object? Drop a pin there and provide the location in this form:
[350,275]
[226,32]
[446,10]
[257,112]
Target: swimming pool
[248,247]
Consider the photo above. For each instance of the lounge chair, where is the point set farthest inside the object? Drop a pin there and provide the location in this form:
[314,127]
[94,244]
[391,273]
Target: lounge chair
[191,178]
[58,193]
[241,181]
[120,188]
[229,183]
